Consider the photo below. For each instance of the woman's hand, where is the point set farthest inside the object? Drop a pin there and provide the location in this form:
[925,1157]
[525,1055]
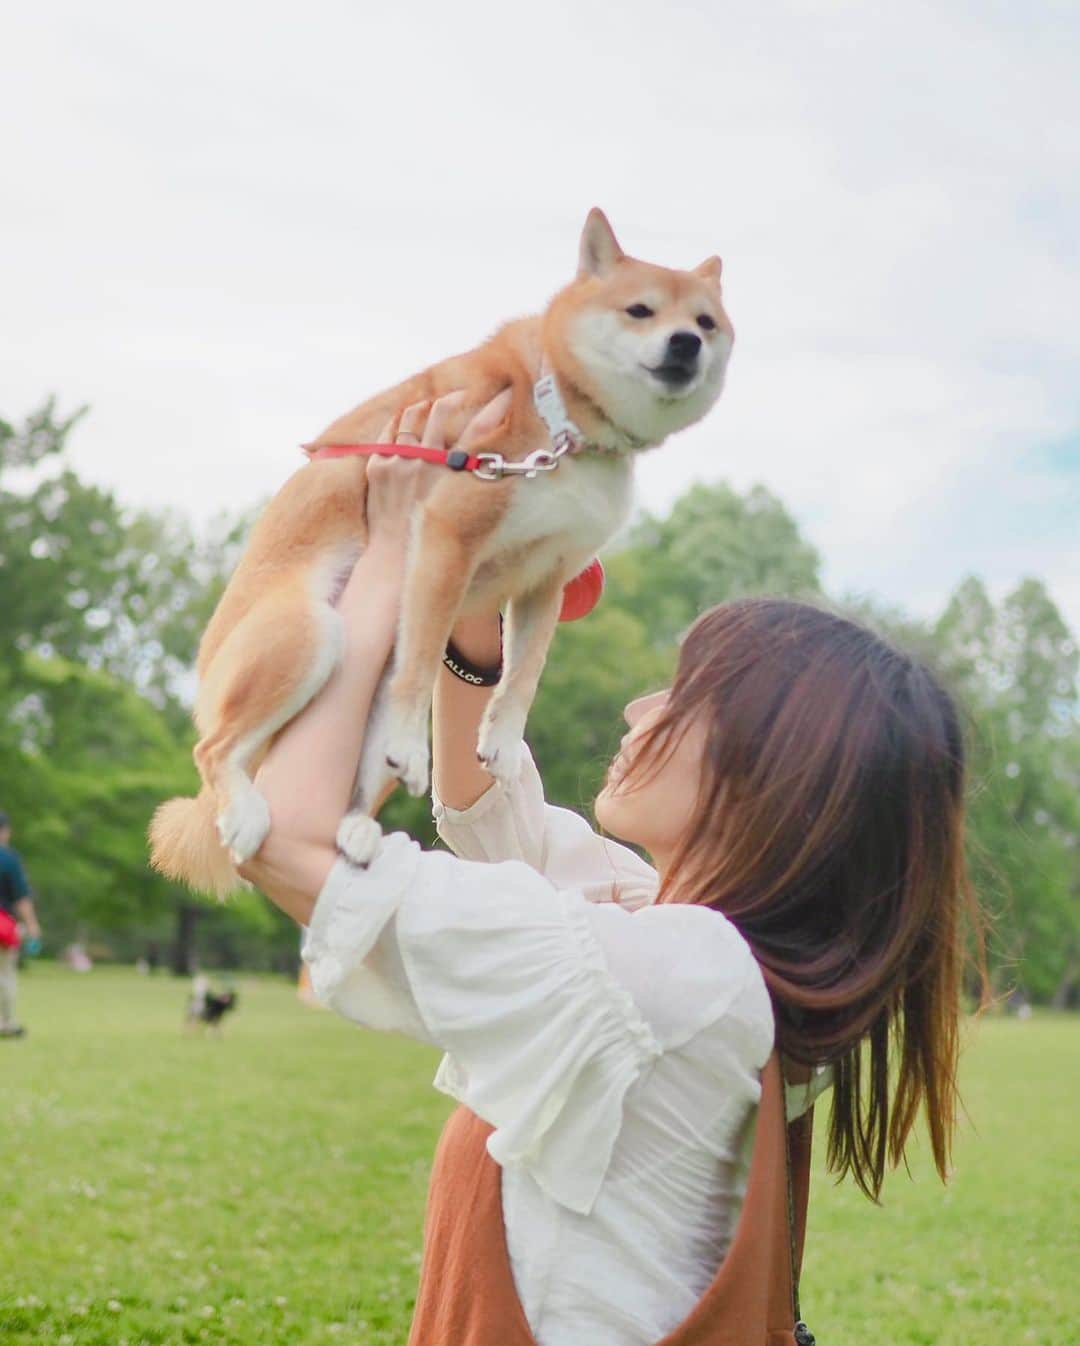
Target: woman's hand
[397,485]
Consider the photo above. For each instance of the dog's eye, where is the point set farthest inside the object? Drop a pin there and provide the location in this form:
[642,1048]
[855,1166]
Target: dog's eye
[639,311]
[706,323]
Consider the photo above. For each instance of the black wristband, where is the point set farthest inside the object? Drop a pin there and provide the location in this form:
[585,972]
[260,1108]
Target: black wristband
[467,671]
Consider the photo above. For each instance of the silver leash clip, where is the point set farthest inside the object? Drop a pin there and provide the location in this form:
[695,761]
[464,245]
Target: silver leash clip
[493,466]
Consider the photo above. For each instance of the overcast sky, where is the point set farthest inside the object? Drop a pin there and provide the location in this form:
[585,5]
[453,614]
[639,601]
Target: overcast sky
[224,224]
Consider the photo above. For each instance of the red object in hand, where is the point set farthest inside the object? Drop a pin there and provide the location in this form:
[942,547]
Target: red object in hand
[583,592]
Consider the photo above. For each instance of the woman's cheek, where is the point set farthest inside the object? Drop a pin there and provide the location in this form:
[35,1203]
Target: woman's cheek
[616,812]
[636,815]
[604,809]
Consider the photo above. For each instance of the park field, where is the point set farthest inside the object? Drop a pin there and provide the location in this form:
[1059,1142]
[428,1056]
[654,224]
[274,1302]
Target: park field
[268,1187]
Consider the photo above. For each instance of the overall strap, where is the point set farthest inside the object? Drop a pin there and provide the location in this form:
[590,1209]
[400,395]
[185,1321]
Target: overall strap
[467,1295]
[751,1301]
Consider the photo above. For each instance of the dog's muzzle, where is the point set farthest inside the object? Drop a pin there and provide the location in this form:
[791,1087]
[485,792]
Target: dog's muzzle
[680,363]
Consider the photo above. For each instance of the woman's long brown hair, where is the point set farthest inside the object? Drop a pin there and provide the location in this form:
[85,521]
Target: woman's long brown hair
[830,830]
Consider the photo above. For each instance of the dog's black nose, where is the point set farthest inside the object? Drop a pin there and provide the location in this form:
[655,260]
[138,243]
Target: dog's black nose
[683,347]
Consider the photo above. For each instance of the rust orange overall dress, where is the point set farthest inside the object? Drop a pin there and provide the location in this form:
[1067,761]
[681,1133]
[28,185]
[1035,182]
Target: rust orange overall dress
[467,1295]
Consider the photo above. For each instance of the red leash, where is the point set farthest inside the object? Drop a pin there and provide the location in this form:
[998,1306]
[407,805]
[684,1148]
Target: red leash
[456,459]
[483,466]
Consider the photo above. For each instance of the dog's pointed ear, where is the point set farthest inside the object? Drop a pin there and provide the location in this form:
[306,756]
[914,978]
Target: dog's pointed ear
[599,247]
[710,270]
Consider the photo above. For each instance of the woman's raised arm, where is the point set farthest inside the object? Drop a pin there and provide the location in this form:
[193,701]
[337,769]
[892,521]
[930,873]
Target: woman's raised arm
[308,775]
[457,775]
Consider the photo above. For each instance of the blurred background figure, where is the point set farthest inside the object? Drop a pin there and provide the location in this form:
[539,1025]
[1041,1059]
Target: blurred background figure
[20,927]
[76,957]
[207,1006]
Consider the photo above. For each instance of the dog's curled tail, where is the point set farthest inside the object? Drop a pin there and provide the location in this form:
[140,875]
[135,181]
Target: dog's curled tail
[184,845]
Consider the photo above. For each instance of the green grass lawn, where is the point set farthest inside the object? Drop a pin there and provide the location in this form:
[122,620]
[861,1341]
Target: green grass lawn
[269,1187]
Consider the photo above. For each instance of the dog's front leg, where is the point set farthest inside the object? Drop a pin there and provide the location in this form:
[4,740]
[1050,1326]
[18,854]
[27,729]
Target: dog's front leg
[531,622]
[439,571]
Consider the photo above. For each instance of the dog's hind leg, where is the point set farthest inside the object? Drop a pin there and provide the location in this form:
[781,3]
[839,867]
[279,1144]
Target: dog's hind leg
[266,671]
[531,622]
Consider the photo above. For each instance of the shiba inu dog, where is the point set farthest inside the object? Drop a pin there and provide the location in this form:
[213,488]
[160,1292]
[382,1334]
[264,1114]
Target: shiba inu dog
[625,355]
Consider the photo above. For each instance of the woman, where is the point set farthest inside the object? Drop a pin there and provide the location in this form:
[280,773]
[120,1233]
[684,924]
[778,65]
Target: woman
[799,790]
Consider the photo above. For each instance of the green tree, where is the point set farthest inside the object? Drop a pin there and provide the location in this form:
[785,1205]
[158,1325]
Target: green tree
[85,579]
[87,759]
[41,435]
[713,546]
[1015,667]
[102,610]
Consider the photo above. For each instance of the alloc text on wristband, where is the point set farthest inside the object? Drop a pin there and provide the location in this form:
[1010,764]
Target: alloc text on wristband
[467,671]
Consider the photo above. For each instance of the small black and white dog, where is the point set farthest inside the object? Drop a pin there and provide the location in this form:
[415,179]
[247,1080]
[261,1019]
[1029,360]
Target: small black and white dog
[206,1007]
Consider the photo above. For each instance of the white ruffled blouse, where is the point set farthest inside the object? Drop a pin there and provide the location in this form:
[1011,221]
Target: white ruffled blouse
[615,1047]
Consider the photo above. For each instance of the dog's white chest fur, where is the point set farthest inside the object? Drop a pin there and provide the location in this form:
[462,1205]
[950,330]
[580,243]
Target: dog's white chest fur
[557,520]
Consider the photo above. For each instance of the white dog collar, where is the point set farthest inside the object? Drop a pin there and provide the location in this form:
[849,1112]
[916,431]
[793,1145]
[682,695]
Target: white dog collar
[551,409]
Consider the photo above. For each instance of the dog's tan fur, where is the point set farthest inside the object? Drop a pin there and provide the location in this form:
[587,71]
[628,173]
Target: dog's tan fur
[275,637]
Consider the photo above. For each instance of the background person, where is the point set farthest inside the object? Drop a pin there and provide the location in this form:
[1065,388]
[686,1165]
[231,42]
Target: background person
[15,899]
[800,789]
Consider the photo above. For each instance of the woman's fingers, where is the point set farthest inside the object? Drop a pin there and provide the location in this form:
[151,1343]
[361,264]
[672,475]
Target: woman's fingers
[444,412]
[397,484]
[488,418]
[413,420]
[407,426]
[432,423]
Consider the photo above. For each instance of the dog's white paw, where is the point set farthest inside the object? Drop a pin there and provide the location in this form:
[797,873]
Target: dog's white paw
[499,749]
[243,826]
[407,757]
[358,838]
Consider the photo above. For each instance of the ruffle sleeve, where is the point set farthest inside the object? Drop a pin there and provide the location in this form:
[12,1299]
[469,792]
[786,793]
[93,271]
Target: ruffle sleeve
[505,973]
[542,1041]
[351,947]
